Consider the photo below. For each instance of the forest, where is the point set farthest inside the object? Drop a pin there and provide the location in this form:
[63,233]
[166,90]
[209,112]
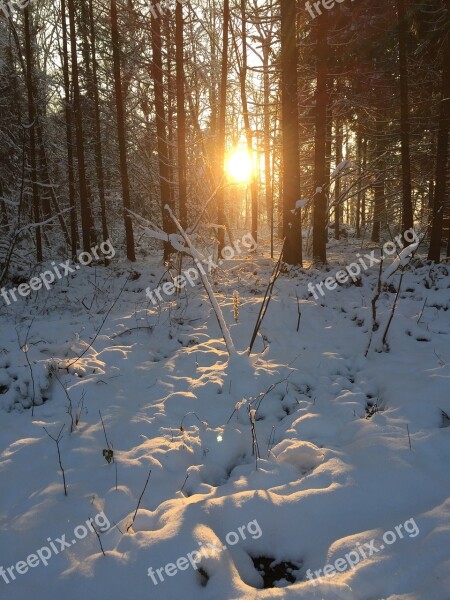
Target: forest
[224,299]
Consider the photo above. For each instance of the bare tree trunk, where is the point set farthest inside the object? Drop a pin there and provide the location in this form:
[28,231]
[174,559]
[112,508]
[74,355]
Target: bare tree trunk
[84,201]
[434,252]
[407,210]
[359,197]
[221,132]
[292,231]
[121,132]
[32,129]
[161,128]
[69,137]
[171,93]
[267,155]
[245,114]
[97,126]
[363,201]
[181,115]
[320,162]
[337,185]
[379,200]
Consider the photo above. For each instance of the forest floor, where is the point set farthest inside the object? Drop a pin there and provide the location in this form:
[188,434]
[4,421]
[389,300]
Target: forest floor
[354,450]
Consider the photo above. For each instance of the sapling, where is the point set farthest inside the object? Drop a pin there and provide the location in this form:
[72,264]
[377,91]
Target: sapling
[57,440]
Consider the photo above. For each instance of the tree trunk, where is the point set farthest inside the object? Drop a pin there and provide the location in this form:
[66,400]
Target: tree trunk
[221,132]
[407,210]
[292,232]
[434,252]
[97,126]
[69,137]
[181,115]
[320,161]
[267,154]
[337,185]
[379,201]
[84,201]
[32,130]
[121,132]
[248,131]
[161,129]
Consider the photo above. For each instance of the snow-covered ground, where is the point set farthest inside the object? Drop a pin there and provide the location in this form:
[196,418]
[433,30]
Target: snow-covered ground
[351,446]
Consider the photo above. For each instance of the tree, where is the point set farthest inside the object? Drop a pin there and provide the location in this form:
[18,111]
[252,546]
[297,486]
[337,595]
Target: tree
[163,156]
[86,218]
[320,139]
[121,132]
[293,254]
[181,114]
[221,129]
[441,158]
[407,210]
[32,129]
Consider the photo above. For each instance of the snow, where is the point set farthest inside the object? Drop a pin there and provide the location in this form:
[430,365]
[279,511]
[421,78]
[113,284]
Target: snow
[333,430]
[345,164]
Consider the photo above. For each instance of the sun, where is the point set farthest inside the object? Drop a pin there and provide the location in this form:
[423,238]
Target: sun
[239,166]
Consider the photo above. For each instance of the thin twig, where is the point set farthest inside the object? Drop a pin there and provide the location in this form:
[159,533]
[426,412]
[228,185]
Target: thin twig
[267,297]
[104,431]
[184,483]
[394,306]
[139,502]
[421,312]
[98,536]
[299,312]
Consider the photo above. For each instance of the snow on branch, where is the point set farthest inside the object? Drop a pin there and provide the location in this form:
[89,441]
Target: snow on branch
[218,311]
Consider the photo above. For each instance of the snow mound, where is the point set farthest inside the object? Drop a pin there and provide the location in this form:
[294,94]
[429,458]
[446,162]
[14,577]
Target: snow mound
[305,456]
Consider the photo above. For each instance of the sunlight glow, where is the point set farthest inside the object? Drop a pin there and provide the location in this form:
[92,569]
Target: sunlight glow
[239,166]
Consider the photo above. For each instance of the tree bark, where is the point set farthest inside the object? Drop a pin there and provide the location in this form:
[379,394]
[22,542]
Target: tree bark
[84,201]
[121,132]
[164,185]
[407,209]
[98,151]
[32,121]
[292,232]
[320,161]
[434,252]
[337,185]
[181,115]
[246,117]
[221,132]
